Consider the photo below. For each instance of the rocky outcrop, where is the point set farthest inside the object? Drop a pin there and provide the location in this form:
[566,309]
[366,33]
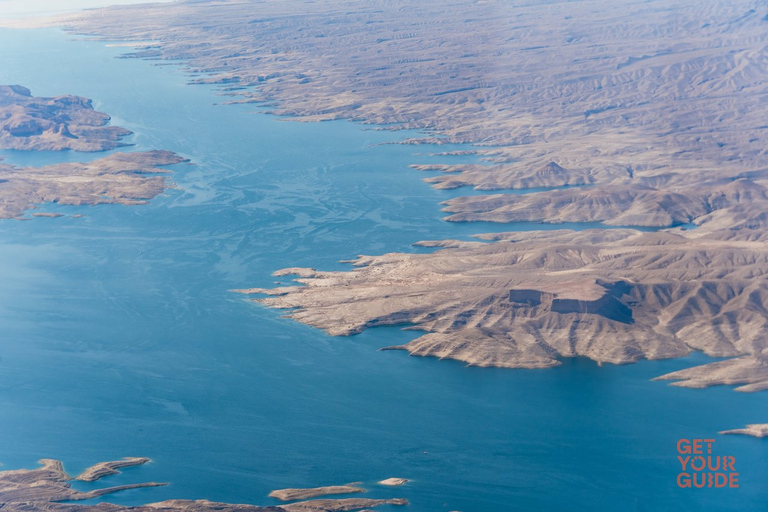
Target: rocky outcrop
[756,430]
[120,178]
[45,488]
[608,304]
[340,505]
[507,176]
[103,469]
[303,494]
[748,373]
[63,122]
[394,481]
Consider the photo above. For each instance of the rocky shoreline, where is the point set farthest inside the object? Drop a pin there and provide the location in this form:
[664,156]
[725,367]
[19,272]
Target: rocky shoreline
[53,124]
[48,488]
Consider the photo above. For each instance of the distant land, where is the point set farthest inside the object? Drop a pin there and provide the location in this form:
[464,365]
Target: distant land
[47,487]
[53,124]
[649,113]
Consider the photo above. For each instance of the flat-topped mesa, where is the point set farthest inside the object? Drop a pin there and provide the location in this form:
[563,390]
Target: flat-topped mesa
[591,297]
[53,124]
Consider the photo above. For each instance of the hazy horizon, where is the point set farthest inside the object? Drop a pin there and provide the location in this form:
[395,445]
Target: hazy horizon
[21,8]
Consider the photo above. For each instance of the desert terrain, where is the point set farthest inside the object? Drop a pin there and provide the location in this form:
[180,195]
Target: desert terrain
[651,114]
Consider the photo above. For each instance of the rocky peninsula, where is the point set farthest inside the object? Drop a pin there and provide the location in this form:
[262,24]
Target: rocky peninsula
[103,469]
[527,299]
[48,488]
[52,124]
[756,430]
[120,178]
[647,123]
[303,494]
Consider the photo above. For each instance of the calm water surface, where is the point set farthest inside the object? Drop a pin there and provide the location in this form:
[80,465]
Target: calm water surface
[118,335]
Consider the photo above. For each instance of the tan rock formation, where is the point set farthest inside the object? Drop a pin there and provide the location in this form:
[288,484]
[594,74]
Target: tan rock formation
[756,430]
[44,489]
[63,122]
[530,298]
[120,178]
[303,494]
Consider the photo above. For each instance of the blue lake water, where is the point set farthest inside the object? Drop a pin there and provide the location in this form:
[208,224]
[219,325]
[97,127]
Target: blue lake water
[119,337]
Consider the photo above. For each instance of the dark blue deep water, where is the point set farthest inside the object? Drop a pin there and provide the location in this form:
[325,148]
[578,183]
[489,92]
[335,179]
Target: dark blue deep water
[119,337]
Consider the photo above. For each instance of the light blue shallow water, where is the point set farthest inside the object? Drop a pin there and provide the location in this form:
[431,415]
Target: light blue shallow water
[118,335]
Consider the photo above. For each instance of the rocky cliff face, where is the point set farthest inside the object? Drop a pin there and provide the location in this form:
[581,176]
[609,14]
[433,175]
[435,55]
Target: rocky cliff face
[610,304]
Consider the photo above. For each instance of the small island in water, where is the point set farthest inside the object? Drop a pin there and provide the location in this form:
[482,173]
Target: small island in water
[71,123]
